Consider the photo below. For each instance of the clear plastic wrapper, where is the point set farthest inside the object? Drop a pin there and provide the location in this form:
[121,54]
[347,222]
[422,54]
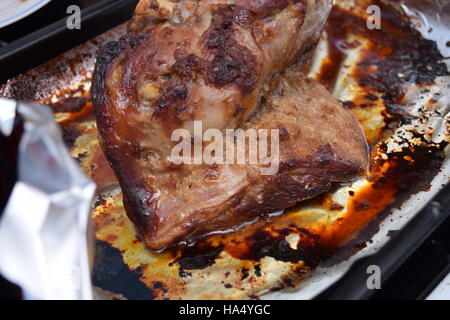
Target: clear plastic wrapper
[44,228]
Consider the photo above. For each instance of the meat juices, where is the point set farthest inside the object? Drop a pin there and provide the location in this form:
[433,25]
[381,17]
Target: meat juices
[229,64]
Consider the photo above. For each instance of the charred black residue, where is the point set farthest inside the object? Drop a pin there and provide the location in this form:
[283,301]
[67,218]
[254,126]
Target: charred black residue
[259,245]
[288,282]
[70,135]
[112,274]
[371,97]
[158,285]
[184,274]
[415,168]
[232,63]
[244,273]
[413,60]
[400,113]
[276,289]
[392,233]
[70,104]
[258,270]
[99,201]
[398,54]
[336,207]
[199,256]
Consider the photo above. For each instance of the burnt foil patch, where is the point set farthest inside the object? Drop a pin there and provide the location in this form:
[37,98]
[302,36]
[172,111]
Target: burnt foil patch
[264,244]
[413,59]
[112,274]
[257,246]
[199,256]
[70,135]
[407,57]
[70,104]
[412,170]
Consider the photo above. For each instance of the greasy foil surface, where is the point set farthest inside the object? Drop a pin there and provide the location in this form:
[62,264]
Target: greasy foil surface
[393,80]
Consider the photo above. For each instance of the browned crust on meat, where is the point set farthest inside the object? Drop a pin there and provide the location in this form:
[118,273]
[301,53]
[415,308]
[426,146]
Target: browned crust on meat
[215,61]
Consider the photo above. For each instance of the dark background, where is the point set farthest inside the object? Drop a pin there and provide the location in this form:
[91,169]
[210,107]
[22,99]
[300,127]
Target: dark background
[51,12]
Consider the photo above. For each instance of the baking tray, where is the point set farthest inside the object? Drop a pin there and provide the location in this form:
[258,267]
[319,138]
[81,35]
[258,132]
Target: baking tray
[51,41]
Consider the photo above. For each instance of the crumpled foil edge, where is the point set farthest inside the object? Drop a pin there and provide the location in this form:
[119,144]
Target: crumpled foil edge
[45,226]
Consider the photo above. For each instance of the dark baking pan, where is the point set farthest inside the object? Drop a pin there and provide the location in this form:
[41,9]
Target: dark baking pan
[48,42]
[55,39]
